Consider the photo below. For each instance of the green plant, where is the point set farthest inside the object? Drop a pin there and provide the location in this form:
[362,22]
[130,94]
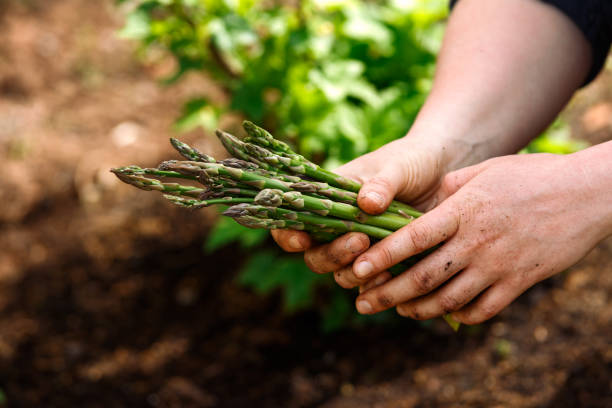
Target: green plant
[338,78]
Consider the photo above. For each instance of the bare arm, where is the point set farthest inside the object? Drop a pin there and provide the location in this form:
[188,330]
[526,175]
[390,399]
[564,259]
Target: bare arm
[506,69]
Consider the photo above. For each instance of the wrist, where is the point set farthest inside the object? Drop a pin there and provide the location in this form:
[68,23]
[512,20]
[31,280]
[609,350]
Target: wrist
[593,167]
[450,145]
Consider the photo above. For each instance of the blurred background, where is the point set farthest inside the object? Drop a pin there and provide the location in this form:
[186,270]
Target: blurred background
[110,296]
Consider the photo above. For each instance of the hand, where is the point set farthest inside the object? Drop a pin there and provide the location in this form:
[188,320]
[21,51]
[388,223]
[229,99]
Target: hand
[406,168]
[511,222]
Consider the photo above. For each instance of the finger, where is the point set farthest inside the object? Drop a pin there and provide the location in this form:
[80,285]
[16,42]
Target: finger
[489,304]
[377,193]
[346,279]
[340,252]
[421,234]
[377,281]
[292,241]
[458,292]
[417,281]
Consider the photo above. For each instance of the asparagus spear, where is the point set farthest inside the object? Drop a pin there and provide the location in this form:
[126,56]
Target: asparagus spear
[329,224]
[324,207]
[215,170]
[197,204]
[126,175]
[293,162]
[262,137]
[190,153]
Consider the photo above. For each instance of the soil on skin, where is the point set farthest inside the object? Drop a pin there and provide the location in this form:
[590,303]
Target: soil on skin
[107,299]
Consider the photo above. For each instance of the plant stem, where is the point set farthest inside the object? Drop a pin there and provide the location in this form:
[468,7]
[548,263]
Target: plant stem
[328,224]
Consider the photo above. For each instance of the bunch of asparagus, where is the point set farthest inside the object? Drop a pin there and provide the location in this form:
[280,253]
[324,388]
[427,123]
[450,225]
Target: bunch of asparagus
[267,185]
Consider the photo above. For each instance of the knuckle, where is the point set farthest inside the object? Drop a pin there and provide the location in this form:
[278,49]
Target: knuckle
[449,182]
[449,303]
[422,280]
[418,236]
[386,255]
[381,182]
[384,299]
[481,314]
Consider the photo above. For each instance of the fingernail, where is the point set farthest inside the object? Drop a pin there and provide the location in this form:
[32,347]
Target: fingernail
[363,269]
[364,307]
[354,244]
[380,280]
[376,198]
[294,243]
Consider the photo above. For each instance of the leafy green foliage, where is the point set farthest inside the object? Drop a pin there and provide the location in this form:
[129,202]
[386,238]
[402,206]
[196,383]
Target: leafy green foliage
[287,273]
[227,231]
[339,78]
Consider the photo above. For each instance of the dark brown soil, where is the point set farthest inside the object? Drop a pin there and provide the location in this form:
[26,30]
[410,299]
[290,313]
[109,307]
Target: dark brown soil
[105,302]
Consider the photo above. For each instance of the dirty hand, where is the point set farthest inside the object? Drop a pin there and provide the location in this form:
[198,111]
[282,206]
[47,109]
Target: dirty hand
[406,169]
[511,222]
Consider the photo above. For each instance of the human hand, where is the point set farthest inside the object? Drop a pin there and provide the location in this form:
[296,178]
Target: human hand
[406,169]
[511,222]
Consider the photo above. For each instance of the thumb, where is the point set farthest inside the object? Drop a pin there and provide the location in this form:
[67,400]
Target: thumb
[377,193]
[408,178]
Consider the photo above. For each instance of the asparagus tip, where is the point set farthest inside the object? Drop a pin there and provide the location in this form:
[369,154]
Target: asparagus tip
[248,125]
[236,211]
[269,197]
[167,165]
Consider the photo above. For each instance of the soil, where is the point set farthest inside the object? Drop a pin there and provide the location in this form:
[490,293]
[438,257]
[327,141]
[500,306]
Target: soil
[107,299]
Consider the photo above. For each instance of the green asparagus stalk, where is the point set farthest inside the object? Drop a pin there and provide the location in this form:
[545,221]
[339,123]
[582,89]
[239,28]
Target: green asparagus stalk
[348,197]
[139,171]
[215,170]
[190,153]
[262,137]
[196,204]
[125,174]
[324,223]
[320,235]
[133,175]
[292,162]
[324,207]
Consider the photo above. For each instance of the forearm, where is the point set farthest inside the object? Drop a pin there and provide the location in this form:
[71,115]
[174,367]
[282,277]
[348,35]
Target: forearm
[506,69]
